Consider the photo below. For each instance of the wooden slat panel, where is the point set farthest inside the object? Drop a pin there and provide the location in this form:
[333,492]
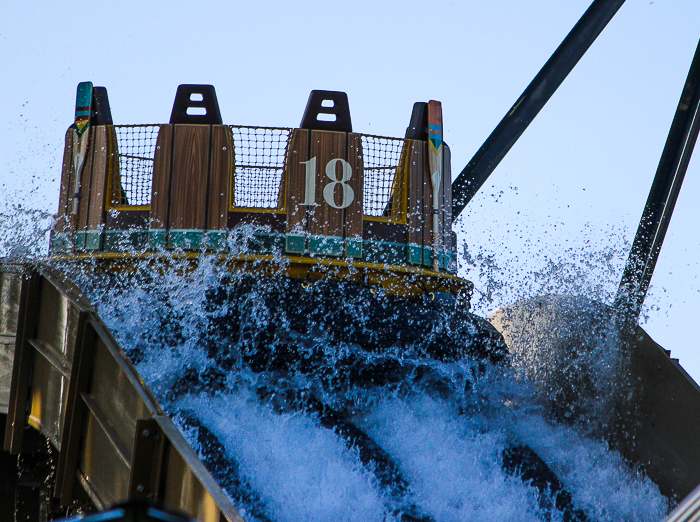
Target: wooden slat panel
[53,317]
[222,161]
[47,392]
[98,178]
[295,174]
[188,194]
[354,212]
[85,181]
[102,463]
[22,366]
[64,201]
[114,179]
[116,397]
[72,217]
[75,409]
[325,223]
[276,223]
[103,424]
[160,191]
[416,203]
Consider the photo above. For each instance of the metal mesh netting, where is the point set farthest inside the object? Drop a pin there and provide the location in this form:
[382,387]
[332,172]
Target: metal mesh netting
[259,167]
[382,161]
[137,147]
[260,153]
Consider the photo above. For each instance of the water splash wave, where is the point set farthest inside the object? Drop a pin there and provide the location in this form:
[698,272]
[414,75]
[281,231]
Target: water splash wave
[444,425]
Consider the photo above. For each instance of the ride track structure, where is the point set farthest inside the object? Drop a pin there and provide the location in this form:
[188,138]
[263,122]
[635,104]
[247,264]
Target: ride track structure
[87,430]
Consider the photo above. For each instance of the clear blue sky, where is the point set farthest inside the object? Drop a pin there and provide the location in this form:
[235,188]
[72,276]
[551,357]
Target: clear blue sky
[571,191]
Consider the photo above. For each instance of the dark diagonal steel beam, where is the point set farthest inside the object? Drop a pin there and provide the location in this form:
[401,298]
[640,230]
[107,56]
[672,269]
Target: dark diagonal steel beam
[531,101]
[662,196]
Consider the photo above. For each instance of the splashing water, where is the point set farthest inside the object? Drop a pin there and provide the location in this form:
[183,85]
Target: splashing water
[24,232]
[444,424]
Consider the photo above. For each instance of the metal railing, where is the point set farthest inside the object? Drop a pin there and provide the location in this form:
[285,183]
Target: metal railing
[259,158]
[132,179]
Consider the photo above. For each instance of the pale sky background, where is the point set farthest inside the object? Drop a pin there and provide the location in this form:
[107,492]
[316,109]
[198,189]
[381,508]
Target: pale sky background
[571,191]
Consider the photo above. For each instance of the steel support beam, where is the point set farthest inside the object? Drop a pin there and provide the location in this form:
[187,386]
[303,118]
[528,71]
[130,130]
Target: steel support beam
[662,197]
[531,101]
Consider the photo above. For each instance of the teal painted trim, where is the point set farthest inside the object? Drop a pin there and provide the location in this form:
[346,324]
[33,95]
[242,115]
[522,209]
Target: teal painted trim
[415,254]
[240,243]
[215,240]
[186,239]
[79,241]
[451,262]
[157,239]
[427,256]
[385,253]
[268,243]
[125,240]
[295,244]
[353,248]
[93,240]
[83,96]
[257,243]
[327,245]
[60,244]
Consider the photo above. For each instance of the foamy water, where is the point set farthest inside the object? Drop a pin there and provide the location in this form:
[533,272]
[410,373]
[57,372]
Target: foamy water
[447,446]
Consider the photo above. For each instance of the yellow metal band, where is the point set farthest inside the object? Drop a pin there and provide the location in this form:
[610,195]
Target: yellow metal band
[400,280]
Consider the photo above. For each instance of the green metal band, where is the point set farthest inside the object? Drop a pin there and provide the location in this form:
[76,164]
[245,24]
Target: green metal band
[257,243]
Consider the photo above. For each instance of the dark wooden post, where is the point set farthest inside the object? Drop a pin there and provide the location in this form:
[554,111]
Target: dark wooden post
[192,172]
[324,175]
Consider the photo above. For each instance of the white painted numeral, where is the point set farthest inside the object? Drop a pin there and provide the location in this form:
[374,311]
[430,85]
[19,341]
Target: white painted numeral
[329,189]
[310,186]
